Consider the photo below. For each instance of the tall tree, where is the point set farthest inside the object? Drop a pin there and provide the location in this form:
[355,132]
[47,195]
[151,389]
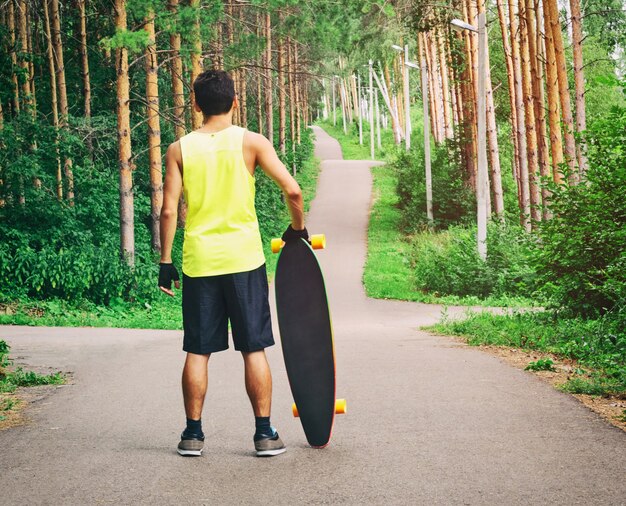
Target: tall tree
[176,73]
[282,116]
[12,44]
[127,216]
[269,95]
[579,79]
[196,60]
[84,58]
[53,96]
[552,22]
[62,86]
[154,131]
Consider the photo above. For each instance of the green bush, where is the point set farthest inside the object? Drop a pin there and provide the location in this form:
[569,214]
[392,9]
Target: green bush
[582,254]
[447,263]
[453,200]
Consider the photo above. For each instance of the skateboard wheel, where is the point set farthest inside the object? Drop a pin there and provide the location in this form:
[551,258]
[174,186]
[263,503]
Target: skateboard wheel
[318,241]
[341,407]
[294,410]
[277,244]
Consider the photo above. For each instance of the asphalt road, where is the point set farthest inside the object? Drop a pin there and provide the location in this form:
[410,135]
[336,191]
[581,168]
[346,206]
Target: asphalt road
[429,421]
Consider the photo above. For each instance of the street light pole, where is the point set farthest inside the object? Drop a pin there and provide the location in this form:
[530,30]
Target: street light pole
[407,102]
[482,179]
[360,110]
[371,111]
[429,177]
[334,106]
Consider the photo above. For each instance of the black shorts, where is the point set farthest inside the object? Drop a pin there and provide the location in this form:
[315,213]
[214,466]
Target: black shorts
[209,302]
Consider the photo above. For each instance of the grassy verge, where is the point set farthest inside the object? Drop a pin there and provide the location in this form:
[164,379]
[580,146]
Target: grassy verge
[598,347]
[13,378]
[161,313]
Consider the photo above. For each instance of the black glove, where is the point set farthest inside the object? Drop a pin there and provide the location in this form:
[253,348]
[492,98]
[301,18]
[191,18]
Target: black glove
[291,234]
[167,274]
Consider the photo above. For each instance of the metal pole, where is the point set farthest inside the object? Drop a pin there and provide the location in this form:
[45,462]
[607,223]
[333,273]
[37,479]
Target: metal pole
[378,140]
[371,111]
[360,111]
[334,102]
[482,177]
[407,102]
[429,177]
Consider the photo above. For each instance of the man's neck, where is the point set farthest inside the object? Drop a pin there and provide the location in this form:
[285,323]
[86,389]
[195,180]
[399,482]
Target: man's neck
[217,123]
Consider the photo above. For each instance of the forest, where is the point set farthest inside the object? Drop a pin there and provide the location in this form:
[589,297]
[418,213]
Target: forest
[92,92]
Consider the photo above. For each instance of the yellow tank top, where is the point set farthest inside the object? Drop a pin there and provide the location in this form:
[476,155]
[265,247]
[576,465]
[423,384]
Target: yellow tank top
[222,231]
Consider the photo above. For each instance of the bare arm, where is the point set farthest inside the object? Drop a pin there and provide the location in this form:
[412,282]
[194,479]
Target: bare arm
[268,160]
[169,212]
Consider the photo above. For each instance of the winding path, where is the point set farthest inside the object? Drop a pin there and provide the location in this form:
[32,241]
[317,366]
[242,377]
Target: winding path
[430,421]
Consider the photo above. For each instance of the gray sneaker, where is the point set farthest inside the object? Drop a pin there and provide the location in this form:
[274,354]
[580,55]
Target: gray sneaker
[190,447]
[269,446]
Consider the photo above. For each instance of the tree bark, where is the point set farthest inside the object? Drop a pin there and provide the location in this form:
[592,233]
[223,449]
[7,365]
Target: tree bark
[269,96]
[282,115]
[524,190]
[448,119]
[504,30]
[22,60]
[551,13]
[292,94]
[579,80]
[84,58]
[554,116]
[492,137]
[176,72]
[154,131]
[127,217]
[298,94]
[53,96]
[529,113]
[196,61]
[61,84]
[12,41]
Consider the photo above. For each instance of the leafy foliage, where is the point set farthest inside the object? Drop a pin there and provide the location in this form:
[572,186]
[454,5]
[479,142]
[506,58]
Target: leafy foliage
[582,258]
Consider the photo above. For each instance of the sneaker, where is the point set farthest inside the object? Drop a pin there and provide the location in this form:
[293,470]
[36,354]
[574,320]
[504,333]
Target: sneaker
[190,446]
[270,445]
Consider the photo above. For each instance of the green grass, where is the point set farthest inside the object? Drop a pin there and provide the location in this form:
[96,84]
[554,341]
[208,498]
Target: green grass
[599,346]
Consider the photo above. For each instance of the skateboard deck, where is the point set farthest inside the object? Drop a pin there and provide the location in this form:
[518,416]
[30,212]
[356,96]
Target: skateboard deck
[307,339]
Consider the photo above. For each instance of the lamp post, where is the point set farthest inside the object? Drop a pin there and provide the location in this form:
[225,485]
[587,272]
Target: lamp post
[371,111]
[360,109]
[334,106]
[482,179]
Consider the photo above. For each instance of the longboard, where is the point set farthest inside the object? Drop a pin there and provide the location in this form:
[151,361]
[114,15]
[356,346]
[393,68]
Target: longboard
[307,337]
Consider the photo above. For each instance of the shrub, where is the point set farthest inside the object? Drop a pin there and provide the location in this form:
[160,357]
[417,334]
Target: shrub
[447,263]
[582,258]
[453,200]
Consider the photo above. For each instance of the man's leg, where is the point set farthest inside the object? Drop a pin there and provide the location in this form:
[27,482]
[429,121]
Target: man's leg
[258,382]
[259,387]
[195,378]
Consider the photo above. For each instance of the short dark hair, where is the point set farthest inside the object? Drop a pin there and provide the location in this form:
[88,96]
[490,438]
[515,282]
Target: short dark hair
[214,92]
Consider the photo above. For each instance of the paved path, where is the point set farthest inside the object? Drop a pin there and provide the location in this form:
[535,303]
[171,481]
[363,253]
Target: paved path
[430,421]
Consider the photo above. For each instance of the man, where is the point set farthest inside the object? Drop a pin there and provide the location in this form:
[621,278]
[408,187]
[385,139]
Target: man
[224,275]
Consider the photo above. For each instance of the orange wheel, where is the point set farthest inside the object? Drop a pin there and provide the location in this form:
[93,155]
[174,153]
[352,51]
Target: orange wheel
[294,410]
[341,407]
[277,244]
[318,241]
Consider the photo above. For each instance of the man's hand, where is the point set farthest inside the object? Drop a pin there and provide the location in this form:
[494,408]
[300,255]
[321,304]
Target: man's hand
[167,274]
[292,234]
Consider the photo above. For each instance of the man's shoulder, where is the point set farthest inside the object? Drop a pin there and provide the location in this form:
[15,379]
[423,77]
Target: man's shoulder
[255,140]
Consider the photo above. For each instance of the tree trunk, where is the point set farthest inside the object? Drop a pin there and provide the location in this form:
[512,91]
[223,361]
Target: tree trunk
[53,96]
[127,218]
[63,105]
[524,190]
[551,13]
[27,96]
[540,110]
[243,87]
[554,117]
[529,113]
[492,137]
[282,115]
[579,80]
[154,131]
[504,30]
[196,61]
[448,119]
[269,95]
[298,94]
[31,66]
[12,42]
[84,58]
[176,72]
[292,94]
